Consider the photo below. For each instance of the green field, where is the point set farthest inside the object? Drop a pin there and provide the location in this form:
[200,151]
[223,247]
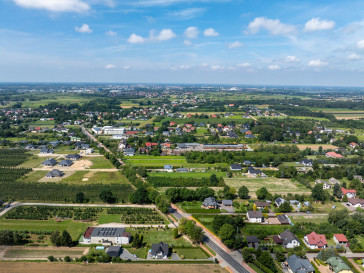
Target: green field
[32,253]
[99,162]
[273,185]
[34,161]
[192,253]
[154,236]
[74,228]
[187,175]
[33,176]
[88,177]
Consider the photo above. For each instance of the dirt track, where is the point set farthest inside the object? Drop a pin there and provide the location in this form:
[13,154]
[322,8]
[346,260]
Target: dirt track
[20,267]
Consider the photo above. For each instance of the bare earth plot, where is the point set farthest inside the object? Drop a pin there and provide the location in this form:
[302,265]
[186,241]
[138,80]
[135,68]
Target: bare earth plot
[273,185]
[20,252]
[102,268]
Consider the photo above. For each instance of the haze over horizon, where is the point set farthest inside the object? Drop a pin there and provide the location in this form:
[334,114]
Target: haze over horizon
[179,41]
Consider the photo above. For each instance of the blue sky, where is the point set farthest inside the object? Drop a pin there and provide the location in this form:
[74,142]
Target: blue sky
[183,41]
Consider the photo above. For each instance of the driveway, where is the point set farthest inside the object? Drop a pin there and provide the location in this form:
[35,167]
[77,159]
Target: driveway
[125,255]
[229,209]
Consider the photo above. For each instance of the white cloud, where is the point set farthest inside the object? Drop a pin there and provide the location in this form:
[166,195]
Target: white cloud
[292,59]
[191,33]
[354,57]
[210,32]
[84,29]
[317,63]
[136,39]
[216,67]
[273,67]
[187,14]
[110,66]
[187,42]
[244,65]
[274,27]
[235,44]
[55,5]
[163,35]
[126,67]
[111,33]
[360,44]
[318,24]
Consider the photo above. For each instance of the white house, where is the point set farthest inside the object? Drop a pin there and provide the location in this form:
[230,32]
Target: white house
[356,202]
[340,239]
[288,239]
[255,216]
[107,235]
[315,241]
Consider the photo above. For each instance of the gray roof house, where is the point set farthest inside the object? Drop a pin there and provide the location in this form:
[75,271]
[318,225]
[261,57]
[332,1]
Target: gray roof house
[46,151]
[255,216]
[168,167]
[73,156]
[210,203]
[65,163]
[182,170]
[252,241]
[235,167]
[307,162]
[283,219]
[159,251]
[129,152]
[289,240]
[255,172]
[227,202]
[113,251]
[49,162]
[54,173]
[298,265]
[279,201]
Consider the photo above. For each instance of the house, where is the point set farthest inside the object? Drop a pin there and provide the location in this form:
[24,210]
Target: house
[307,162]
[97,130]
[49,162]
[65,163]
[252,241]
[255,216]
[247,162]
[337,265]
[129,152]
[235,167]
[333,155]
[113,251]
[314,241]
[73,156]
[348,193]
[298,265]
[89,151]
[289,240]
[326,186]
[353,145]
[210,203]
[279,201]
[46,151]
[54,173]
[168,168]
[228,203]
[159,251]
[283,219]
[255,172]
[340,239]
[182,170]
[105,235]
[262,205]
[334,181]
[356,202]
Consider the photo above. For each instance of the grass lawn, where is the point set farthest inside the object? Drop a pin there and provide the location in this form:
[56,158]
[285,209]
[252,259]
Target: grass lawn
[140,252]
[109,218]
[33,161]
[73,227]
[33,176]
[154,236]
[327,208]
[187,175]
[273,185]
[43,253]
[87,177]
[309,218]
[206,220]
[191,253]
[99,162]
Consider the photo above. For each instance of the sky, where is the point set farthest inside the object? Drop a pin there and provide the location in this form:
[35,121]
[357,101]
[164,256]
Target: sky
[183,41]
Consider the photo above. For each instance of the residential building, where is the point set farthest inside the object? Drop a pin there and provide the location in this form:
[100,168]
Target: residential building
[73,156]
[46,151]
[210,203]
[334,181]
[348,193]
[107,235]
[289,240]
[283,219]
[113,251]
[235,167]
[255,216]
[252,241]
[340,239]
[356,202]
[298,265]
[65,163]
[182,170]
[159,251]
[54,173]
[129,152]
[262,205]
[49,162]
[279,201]
[307,162]
[326,186]
[333,155]
[168,168]
[314,241]
[337,265]
[255,172]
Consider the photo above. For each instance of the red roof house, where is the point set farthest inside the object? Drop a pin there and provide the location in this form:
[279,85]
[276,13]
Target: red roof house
[348,193]
[340,239]
[333,155]
[314,240]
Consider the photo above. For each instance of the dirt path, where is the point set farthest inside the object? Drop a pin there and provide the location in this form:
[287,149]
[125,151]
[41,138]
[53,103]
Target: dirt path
[322,269]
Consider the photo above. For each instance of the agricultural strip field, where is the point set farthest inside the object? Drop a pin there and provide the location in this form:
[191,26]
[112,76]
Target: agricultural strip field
[43,252]
[187,175]
[86,177]
[273,185]
[315,147]
[20,267]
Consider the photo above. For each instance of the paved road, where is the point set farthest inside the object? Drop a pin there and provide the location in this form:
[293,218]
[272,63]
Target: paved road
[14,205]
[213,244]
